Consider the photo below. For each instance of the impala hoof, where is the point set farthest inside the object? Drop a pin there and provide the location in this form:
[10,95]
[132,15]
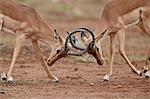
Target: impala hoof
[10,79]
[106,78]
[4,76]
[55,79]
[147,74]
[7,78]
[139,73]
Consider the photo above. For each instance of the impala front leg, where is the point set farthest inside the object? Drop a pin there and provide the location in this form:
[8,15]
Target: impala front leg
[19,40]
[121,37]
[112,52]
[42,60]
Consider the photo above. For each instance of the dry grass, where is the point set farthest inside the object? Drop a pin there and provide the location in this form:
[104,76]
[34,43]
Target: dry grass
[7,41]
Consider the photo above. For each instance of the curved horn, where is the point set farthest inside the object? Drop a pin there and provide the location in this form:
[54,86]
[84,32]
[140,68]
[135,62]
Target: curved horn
[88,30]
[74,45]
[82,34]
[84,50]
[100,36]
[73,41]
[83,29]
[70,38]
[91,33]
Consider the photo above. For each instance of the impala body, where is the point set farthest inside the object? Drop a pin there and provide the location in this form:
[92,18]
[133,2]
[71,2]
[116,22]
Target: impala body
[26,23]
[117,15]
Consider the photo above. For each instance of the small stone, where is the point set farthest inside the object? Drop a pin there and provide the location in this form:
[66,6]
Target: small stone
[2,92]
[75,69]
[92,84]
[119,86]
[130,86]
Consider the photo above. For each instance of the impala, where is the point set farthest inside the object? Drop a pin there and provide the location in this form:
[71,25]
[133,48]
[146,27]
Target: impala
[117,15]
[24,22]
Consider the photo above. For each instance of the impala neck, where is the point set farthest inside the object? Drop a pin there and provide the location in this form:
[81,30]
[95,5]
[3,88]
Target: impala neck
[100,26]
[46,31]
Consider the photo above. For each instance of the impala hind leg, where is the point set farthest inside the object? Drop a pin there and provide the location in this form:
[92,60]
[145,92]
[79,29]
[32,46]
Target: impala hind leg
[112,53]
[121,38]
[146,72]
[42,60]
[1,22]
[19,40]
[3,75]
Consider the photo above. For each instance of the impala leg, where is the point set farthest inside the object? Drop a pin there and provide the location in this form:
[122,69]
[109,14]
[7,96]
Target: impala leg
[112,52]
[146,72]
[1,22]
[19,40]
[3,75]
[147,62]
[42,60]
[121,37]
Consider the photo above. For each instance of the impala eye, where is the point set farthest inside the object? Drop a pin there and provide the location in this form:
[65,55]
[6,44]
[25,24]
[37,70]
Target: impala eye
[58,51]
[97,49]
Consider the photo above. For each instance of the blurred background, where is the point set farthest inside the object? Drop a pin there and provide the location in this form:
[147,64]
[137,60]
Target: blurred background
[66,9]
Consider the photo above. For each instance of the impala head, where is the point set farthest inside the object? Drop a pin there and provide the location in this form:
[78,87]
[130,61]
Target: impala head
[58,51]
[97,53]
[95,50]
[61,50]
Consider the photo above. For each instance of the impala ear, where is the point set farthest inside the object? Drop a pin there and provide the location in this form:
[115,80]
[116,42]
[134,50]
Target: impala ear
[58,37]
[100,36]
[84,37]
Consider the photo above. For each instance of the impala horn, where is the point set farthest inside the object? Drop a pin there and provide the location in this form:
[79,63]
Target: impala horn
[83,33]
[80,51]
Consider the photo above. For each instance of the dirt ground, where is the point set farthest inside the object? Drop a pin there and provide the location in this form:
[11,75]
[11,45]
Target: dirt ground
[80,77]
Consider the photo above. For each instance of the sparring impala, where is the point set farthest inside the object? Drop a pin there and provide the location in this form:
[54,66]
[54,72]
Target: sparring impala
[117,15]
[25,23]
